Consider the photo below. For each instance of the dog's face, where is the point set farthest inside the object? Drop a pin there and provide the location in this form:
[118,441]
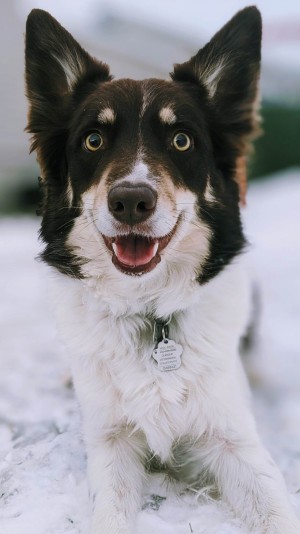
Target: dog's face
[135,154]
[141,177]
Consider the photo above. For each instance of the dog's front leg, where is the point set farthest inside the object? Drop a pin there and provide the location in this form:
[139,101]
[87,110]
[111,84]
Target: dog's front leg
[249,480]
[115,453]
[115,472]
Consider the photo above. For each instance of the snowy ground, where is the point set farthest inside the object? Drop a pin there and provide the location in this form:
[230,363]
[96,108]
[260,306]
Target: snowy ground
[43,488]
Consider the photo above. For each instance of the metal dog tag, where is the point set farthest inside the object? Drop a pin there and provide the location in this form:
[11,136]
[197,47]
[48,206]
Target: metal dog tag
[168,355]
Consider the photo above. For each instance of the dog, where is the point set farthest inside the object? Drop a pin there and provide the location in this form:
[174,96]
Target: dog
[142,184]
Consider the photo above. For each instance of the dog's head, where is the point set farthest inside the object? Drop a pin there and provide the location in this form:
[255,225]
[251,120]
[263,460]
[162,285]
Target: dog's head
[142,177]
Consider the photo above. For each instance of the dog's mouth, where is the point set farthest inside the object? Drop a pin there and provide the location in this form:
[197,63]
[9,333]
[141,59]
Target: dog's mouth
[137,254]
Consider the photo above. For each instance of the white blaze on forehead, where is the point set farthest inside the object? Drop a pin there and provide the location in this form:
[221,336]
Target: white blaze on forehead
[149,92]
[107,116]
[139,174]
[167,115]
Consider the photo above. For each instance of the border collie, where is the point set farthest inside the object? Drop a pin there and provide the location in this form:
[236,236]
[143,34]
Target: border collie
[142,182]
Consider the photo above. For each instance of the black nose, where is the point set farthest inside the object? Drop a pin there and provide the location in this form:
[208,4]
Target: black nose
[130,203]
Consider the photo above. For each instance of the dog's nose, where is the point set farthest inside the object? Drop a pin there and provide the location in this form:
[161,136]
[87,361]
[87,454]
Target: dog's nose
[132,204]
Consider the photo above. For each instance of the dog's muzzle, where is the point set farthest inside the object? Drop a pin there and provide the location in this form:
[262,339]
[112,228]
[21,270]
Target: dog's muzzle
[134,251]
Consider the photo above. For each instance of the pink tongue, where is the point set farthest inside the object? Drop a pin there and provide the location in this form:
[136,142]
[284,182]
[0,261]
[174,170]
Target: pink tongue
[134,250]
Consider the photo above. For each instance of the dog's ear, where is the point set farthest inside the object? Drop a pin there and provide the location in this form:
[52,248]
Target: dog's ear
[55,65]
[228,67]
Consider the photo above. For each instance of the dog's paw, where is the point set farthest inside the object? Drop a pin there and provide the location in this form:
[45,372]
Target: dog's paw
[115,524]
[110,530]
[101,530]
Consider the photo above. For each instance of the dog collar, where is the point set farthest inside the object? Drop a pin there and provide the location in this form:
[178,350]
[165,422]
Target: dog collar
[166,353]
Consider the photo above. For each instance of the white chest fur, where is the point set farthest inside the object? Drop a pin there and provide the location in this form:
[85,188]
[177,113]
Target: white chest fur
[118,381]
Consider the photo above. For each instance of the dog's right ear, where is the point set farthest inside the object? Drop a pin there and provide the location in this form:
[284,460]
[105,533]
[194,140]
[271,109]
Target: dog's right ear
[55,65]
[228,69]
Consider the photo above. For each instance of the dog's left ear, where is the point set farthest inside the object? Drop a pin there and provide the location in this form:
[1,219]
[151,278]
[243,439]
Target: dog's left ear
[56,65]
[228,67]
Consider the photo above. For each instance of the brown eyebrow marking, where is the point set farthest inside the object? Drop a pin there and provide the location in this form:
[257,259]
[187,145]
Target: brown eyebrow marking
[167,115]
[107,116]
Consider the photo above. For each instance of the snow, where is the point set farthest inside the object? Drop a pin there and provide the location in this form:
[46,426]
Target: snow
[42,460]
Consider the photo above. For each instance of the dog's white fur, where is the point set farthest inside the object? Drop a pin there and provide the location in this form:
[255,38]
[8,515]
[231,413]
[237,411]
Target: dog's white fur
[127,403]
[130,407]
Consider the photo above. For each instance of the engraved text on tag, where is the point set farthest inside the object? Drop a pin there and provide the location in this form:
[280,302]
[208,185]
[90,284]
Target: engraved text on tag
[168,355]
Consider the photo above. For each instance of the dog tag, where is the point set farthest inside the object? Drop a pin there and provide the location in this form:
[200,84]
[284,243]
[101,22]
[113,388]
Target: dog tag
[168,355]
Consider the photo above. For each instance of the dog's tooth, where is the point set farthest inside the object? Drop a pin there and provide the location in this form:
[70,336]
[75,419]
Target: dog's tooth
[115,248]
[155,248]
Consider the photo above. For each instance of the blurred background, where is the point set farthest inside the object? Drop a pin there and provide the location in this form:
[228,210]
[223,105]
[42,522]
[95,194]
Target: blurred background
[143,39]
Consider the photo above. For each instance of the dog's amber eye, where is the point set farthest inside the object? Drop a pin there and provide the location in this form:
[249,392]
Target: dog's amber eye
[182,141]
[93,142]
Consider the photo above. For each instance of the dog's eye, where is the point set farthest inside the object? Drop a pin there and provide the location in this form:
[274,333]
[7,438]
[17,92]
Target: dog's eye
[182,141]
[93,142]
